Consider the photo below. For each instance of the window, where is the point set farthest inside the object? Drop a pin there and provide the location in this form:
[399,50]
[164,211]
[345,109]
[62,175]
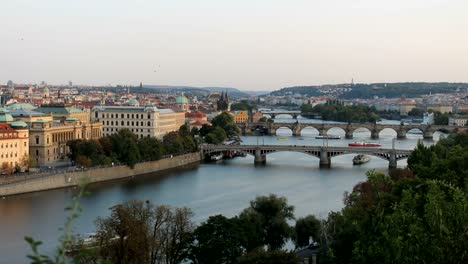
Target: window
[25,144]
[122,123]
[122,115]
[96,114]
[112,115]
[37,140]
[128,115]
[149,116]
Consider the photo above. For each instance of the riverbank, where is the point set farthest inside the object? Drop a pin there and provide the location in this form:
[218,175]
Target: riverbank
[70,179]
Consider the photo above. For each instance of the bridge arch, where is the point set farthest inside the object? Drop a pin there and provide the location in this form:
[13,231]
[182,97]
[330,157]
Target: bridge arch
[361,132]
[415,132]
[336,131]
[388,133]
[288,116]
[284,130]
[309,130]
[317,155]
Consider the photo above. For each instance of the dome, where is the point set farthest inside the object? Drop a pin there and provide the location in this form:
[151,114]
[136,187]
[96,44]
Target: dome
[19,125]
[133,102]
[19,106]
[5,117]
[46,90]
[181,99]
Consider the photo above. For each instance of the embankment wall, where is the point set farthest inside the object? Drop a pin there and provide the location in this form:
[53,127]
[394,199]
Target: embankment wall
[94,175]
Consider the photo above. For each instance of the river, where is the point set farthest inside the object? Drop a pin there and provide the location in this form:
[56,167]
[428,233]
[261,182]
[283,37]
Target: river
[224,188]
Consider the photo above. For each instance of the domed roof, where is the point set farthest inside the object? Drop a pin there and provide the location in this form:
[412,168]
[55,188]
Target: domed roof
[40,121]
[5,117]
[19,124]
[18,106]
[133,102]
[181,99]
[46,89]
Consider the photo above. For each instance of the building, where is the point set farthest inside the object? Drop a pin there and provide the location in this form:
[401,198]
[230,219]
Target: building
[143,121]
[48,139]
[60,112]
[196,119]
[182,103]
[458,120]
[223,102]
[428,119]
[406,108]
[14,144]
[29,116]
[257,116]
[440,108]
[241,116]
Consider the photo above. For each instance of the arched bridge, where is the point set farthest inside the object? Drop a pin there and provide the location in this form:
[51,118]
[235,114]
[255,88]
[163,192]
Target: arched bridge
[274,113]
[349,128]
[323,153]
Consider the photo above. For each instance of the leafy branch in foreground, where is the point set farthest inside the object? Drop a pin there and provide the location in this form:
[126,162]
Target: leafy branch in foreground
[67,239]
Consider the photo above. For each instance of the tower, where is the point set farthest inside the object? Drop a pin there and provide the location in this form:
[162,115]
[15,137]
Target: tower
[223,102]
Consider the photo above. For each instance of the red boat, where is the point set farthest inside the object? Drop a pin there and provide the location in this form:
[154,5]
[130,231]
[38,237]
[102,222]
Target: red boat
[364,144]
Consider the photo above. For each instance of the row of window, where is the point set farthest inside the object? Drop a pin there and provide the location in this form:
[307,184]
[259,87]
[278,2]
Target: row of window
[9,135]
[103,115]
[133,130]
[6,155]
[122,123]
[11,145]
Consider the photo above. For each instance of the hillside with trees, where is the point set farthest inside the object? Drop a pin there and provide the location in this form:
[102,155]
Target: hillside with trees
[335,110]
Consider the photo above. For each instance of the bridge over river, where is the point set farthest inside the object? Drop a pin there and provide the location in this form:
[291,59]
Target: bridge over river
[321,152]
[349,128]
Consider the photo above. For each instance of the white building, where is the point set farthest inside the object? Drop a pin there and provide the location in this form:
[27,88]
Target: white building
[458,120]
[143,121]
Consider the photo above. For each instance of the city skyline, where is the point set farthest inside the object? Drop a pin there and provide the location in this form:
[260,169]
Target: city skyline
[249,45]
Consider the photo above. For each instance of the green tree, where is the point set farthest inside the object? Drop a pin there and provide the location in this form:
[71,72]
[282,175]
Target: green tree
[150,148]
[260,256]
[270,214]
[307,227]
[217,241]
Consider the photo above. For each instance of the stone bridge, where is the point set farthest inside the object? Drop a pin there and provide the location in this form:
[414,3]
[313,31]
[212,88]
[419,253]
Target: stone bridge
[349,128]
[274,113]
[323,153]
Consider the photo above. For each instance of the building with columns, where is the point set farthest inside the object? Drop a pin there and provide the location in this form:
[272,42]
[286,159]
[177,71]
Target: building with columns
[48,139]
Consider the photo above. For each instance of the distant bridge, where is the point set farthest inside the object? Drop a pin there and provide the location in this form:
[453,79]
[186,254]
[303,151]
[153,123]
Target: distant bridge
[274,113]
[348,128]
[323,153]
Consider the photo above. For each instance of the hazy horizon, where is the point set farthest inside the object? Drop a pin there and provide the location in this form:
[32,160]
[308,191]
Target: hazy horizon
[249,45]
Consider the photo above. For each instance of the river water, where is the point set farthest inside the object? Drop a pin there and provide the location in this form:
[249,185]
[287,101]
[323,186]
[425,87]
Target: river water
[225,187]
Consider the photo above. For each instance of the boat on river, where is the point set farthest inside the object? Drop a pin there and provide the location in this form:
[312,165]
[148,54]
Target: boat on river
[217,157]
[328,137]
[360,159]
[282,139]
[364,144]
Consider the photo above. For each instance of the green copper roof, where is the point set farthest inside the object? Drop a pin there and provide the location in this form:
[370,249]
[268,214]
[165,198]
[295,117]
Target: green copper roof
[58,110]
[19,106]
[5,117]
[72,119]
[40,121]
[181,99]
[19,124]
[133,102]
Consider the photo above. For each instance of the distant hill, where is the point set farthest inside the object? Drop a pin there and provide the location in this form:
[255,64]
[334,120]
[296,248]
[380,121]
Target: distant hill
[233,92]
[388,90]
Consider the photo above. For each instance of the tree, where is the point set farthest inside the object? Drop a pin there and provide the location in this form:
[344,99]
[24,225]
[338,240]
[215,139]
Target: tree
[218,240]
[150,148]
[270,215]
[418,112]
[306,228]
[260,256]
[226,122]
[139,232]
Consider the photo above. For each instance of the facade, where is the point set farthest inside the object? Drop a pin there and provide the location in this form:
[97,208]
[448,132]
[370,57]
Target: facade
[257,116]
[428,118]
[440,108]
[406,108]
[241,117]
[14,146]
[48,139]
[142,121]
[458,120]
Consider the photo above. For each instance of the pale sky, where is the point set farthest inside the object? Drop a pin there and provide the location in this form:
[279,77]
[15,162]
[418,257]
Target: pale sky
[247,44]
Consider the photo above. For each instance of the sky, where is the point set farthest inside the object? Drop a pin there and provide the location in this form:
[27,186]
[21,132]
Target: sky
[247,44]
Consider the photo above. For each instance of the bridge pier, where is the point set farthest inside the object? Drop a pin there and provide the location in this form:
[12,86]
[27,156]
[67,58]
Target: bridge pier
[392,162]
[401,134]
[325,161]
[259,157]
[428,134]
[375,134]
[323,132]
[348,134]
[272,131]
